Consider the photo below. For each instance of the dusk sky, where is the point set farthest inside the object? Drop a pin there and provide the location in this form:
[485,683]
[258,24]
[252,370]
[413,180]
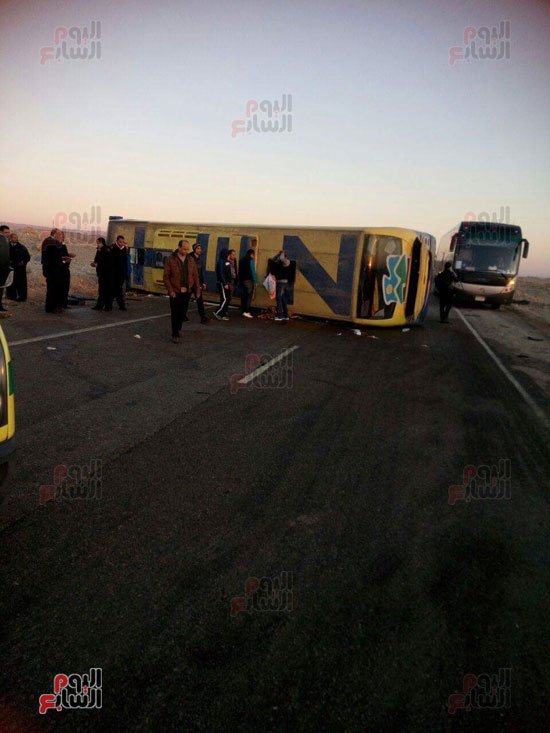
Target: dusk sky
[385,129]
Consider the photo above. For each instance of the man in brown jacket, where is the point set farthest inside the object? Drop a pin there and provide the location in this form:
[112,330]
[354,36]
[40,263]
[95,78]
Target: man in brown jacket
[181,279]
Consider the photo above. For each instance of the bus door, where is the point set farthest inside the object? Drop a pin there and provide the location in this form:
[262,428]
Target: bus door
[137,257]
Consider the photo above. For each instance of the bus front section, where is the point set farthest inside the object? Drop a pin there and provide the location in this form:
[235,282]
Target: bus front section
[486,261]
[394,277]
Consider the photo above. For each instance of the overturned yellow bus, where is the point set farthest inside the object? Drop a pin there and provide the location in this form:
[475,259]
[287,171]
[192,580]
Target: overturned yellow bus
[377,276]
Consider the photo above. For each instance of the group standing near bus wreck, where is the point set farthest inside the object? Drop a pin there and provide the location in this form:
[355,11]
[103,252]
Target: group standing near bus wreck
[183,278]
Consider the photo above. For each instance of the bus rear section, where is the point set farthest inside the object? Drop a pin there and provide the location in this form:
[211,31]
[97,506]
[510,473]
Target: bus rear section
[486,258]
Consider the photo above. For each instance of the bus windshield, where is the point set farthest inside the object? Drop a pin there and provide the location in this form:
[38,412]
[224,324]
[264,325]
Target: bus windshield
[503,259]
[381,257]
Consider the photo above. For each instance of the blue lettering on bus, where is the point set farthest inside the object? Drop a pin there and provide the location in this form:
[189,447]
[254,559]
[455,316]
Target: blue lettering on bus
[335,293]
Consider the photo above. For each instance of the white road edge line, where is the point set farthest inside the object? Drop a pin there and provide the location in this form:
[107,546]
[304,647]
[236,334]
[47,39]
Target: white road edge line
[249,377]
[539,412]
[61,334]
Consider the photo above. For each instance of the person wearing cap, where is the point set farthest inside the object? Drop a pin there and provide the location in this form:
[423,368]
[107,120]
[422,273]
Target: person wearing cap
[181,279]
[445,284]
[197,257]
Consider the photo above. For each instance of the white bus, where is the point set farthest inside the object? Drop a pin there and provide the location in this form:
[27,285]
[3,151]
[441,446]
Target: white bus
[485,257]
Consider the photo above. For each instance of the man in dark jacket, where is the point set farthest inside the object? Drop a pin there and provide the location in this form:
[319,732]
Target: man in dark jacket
[4,259]
[19,258]
[226,273]
[281,269]
[120,256]
[55,261]
[197,256]
[444,282]
[248,280]
[103,263]
[181,279]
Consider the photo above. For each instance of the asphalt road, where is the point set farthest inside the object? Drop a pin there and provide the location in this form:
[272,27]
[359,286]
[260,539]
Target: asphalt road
[335,469]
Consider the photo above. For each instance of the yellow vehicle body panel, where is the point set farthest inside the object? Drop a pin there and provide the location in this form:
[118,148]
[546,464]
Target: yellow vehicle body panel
[7,402]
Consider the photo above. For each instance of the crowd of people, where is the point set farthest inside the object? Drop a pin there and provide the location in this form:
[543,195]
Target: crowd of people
[183,277]
[184,280]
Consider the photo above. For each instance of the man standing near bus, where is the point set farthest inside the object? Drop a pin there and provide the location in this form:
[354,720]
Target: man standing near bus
[226,274]
[444,282]
[281,270]
[197,258]
[119,253]
[248,280]
[181,279]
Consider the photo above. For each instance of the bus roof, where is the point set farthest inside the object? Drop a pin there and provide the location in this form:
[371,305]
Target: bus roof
[265,226]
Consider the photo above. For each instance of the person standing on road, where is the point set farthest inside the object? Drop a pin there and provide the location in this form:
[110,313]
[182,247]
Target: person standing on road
[281,269]
[197,256]
[55,259]
[181,278]
[120,256]
[248,280]
[66,272]
[226,274]
[19,258]
[103,263]
[444,282]
[4,260]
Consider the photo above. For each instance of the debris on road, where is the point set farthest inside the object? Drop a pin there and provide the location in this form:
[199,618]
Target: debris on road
[356,331]
[370,336]
[404,330]
[339,333]
[137,336]
[534,338]
[51,348]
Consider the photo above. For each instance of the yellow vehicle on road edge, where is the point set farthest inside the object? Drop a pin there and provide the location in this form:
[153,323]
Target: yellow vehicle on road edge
[7,407]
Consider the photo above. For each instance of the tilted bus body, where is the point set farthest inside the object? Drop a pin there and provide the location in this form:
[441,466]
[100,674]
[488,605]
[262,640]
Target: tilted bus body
[374,276]
[486,258]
